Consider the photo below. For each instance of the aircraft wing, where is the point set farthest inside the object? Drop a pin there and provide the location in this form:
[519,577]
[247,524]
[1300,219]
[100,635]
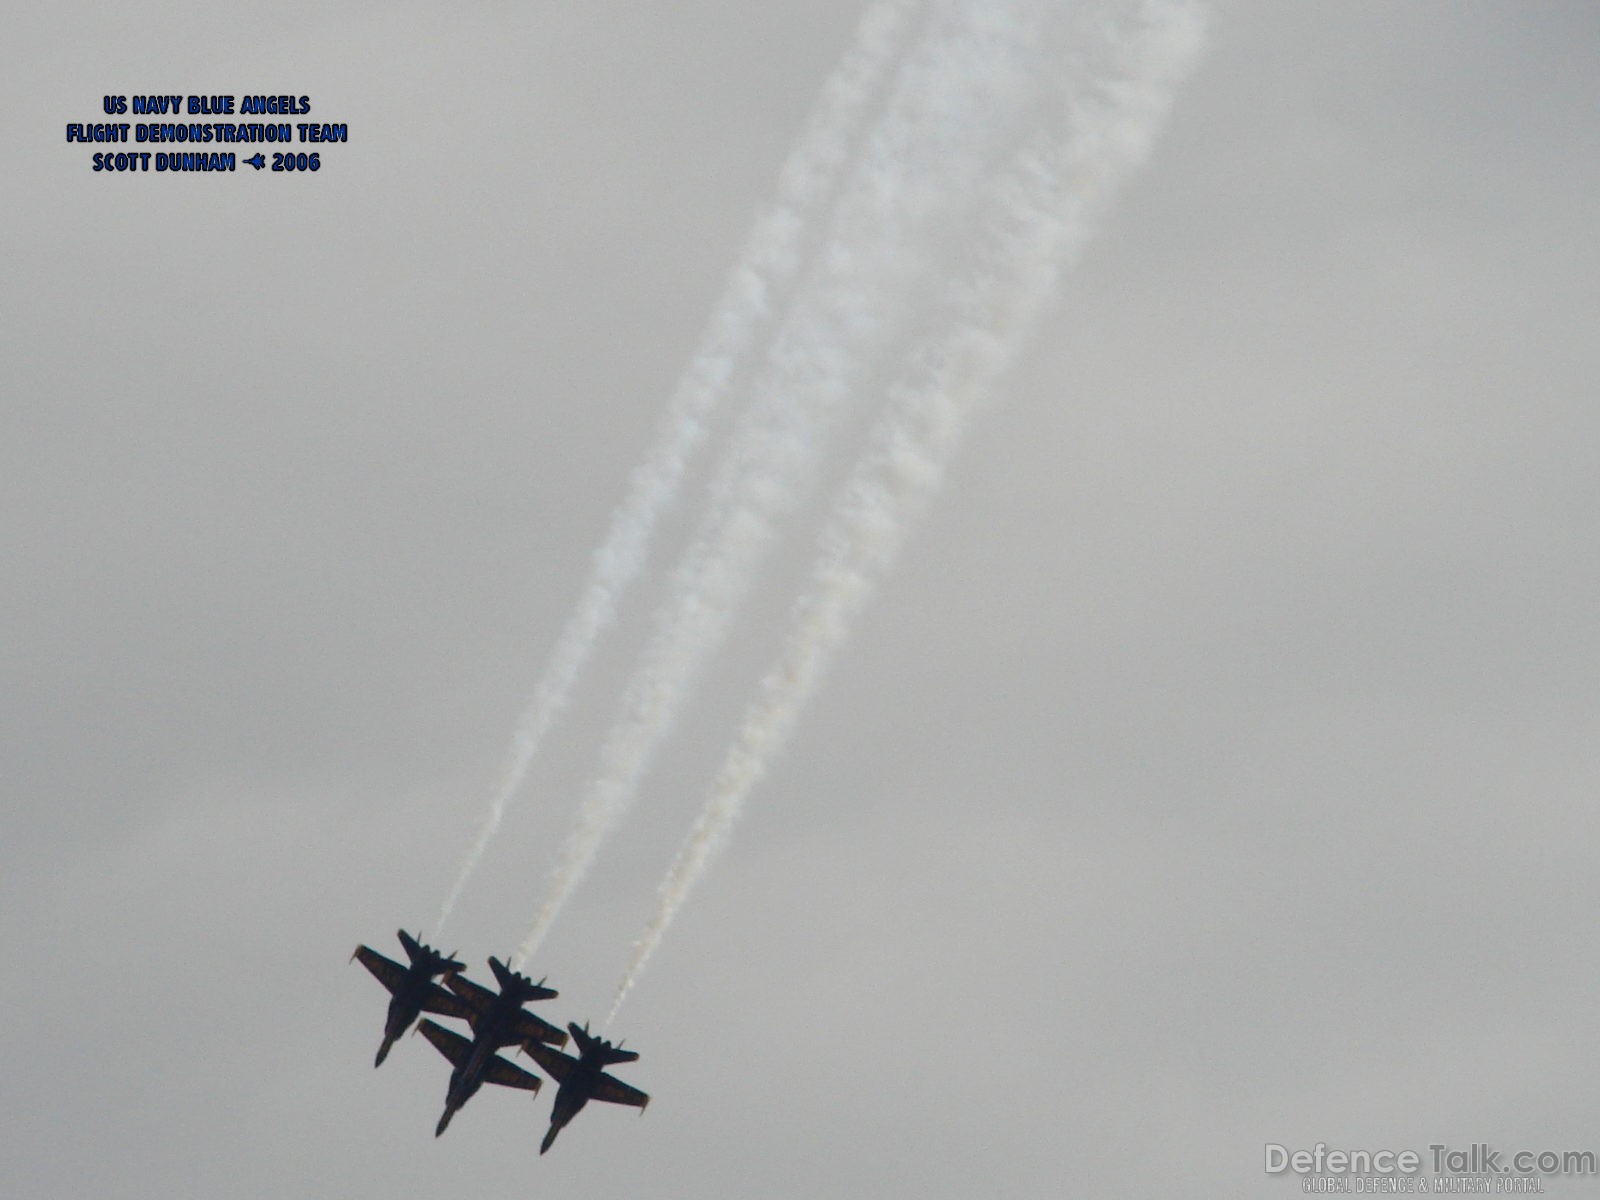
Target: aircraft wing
[388,972]
[508,1074]
[476,997]
[452,1045]
[531,1028]
[552,1062]
[437,1000]
[614,1091]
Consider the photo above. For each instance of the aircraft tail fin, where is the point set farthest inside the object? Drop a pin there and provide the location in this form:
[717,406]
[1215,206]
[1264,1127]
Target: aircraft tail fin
[590,1046]
[424,955]
[518,984]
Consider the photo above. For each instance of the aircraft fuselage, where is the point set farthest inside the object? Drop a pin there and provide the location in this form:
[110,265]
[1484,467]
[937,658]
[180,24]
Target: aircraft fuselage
[404,1007]
[571,1096]
[463,1086]
[575,1092]
[492,1032]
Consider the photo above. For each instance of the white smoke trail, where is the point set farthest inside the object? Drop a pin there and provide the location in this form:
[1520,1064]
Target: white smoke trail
[1044,212]
[766,267]
[955,92]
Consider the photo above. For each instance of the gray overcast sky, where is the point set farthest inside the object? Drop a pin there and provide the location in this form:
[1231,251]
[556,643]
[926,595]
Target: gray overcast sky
[1217,769]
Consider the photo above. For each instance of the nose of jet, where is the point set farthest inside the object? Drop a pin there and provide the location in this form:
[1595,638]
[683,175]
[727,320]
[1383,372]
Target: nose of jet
[444,1121]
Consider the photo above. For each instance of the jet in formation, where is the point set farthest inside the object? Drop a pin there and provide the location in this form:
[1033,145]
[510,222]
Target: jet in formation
[583,1078]
[412,988]
[473,1068]
[497,1019]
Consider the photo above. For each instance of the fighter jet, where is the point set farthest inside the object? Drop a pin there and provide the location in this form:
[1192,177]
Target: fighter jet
[583,1078]
[502,1014]
[413,987]
[497,1020]
[472,1073]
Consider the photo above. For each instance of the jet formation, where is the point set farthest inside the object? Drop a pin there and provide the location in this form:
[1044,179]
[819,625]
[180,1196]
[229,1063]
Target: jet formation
[583,1078]
[497,1019]
[412,987]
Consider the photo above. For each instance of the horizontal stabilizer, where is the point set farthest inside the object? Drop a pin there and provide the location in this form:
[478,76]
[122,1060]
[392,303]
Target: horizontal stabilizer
[597,1049]
[513,983]
[423,955]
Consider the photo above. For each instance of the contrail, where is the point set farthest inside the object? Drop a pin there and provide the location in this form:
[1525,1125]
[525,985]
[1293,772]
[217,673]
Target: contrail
[919,168]
[1044,212]
[765,268]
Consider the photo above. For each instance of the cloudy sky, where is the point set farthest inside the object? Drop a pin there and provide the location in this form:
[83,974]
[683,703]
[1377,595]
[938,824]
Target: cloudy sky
[1216,769]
